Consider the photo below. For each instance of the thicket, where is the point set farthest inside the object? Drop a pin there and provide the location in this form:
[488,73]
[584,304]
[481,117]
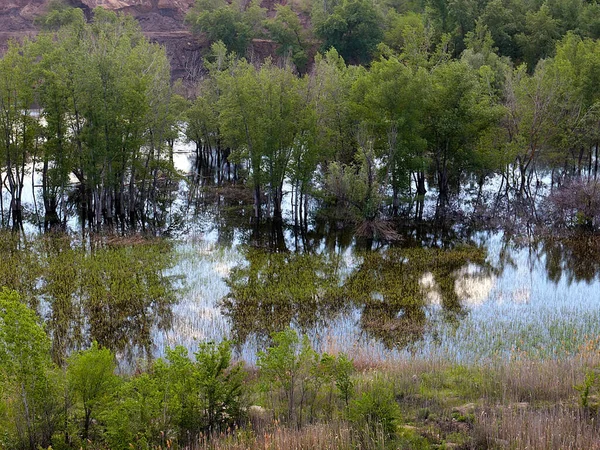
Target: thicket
[88,117]
[368,142]
[524,31]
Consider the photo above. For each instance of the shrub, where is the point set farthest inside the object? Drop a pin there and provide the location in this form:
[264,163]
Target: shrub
[376,409]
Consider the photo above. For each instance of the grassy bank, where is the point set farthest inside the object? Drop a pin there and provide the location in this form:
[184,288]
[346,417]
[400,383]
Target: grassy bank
[516,404]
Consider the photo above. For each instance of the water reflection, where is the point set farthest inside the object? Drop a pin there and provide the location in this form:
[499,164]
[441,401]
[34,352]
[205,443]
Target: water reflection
[271,290]
[576,258]
[317,277]
[115,291]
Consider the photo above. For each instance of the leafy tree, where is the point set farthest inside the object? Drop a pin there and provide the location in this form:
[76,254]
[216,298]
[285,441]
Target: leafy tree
[137,416]
[106,100]
[392,96]
[353,29]
[505,19]
[59,14]
[201,396]
[401,29]
[229,23]
[331,83]
[258,120]
[288,369]
[375,411]
[91,377]
[18,127]
[538,39]
[27,393]
[534,103]
[285,29]
[458,112]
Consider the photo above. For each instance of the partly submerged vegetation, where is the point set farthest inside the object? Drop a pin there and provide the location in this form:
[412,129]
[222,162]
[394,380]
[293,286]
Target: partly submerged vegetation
[354,230]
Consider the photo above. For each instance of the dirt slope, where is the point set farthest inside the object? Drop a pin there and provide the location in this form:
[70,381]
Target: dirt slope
[161,21]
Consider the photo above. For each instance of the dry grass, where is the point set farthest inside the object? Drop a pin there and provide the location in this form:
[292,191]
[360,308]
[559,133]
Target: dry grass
[556,427]
[533,381]
[517,404]
[331,436]
[378,229]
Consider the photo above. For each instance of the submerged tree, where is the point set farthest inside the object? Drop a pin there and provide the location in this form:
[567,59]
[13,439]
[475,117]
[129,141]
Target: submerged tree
[105,97]
[259,112]
[18,126]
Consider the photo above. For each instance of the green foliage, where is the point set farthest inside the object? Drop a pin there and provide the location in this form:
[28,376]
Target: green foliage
[375,411]
[59,14]
[285,29]
[123,289]
[27,412]
[201,396]
[105,118]
[588,390]
[296,382]
[353,29]
[229,23]
[539,37]
[260,116]
[91,378]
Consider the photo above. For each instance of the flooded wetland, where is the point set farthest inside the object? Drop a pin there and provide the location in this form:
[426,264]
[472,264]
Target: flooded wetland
[379,231]
[438,289]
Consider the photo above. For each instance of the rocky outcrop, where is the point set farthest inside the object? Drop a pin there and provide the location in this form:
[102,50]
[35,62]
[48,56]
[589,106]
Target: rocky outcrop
[160,20]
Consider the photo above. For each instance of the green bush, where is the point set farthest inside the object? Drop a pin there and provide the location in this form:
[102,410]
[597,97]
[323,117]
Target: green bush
[300,385]
[375,410]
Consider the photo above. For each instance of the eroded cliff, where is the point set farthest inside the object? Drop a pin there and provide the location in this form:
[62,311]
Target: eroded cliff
[161,21]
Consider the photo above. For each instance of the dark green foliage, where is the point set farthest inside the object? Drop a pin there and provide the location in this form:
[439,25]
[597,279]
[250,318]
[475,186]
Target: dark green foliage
[229,23]
[353,29]
[59,14]
[285,29]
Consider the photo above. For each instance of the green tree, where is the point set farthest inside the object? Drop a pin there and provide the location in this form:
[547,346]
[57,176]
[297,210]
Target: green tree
[258,116]
[459,111]
[229,23]
[287,369]
[392,96]
[285,29]
[354,29]
[18,127]
[201,396]
[539,36]
[28,414]
[505,19]
[91,377]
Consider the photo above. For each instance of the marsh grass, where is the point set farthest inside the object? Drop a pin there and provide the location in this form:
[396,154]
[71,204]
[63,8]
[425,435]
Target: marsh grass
[557,427]
[503,404]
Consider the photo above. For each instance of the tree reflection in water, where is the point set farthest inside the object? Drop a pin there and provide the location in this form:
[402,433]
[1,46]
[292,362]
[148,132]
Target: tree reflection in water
[270,291]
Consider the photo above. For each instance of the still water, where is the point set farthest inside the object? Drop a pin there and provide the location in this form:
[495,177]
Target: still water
[460,292]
